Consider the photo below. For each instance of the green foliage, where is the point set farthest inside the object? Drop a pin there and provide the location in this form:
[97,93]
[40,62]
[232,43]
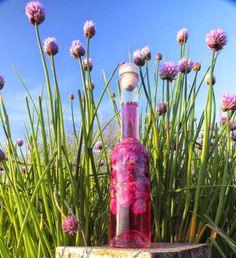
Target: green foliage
[193,184]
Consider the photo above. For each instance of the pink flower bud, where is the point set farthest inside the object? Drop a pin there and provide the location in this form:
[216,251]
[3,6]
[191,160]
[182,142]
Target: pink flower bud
[77,49]
[19,142]
[35,12]
[71,96]
[70,225]
[89,29]
[50,46]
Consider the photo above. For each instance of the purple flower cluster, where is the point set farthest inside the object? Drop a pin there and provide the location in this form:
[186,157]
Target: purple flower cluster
[140,56]
[168,71]
[77,50]
[50,46]
[185,66]
[70,225]
[161,108]
[216,39]
[19,142]
[182,36]
[35,12]
[98,145]
[228,102]
[2,155]
[89,29]
[88,64]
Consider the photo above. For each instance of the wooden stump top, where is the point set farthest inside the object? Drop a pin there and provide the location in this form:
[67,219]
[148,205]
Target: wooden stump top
[157,250]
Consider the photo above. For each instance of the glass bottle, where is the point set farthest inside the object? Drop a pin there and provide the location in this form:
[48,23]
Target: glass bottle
[130,217]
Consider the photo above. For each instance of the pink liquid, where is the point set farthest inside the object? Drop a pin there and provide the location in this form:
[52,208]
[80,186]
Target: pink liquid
[130,218]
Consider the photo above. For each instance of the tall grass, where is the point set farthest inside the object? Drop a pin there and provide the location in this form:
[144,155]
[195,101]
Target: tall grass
[193,185]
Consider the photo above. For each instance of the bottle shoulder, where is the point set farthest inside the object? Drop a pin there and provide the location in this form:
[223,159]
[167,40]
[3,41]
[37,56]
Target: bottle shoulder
[130,145]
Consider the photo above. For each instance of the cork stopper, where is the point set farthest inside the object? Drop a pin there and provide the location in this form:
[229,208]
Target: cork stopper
[128,76]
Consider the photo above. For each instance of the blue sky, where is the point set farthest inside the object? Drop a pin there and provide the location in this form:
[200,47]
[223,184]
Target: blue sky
[121,25]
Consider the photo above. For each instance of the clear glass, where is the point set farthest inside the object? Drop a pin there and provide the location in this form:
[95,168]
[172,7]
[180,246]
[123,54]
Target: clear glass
[130,216]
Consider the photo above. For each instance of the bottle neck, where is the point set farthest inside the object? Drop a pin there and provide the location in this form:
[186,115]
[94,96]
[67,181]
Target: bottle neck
[129,115]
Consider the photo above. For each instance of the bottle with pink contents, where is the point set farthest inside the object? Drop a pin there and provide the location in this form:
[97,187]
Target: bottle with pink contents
[130,217]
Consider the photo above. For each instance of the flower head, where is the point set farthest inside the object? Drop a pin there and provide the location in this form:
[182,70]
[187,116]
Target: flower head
[185,66]
[50,46]
[233,135]
[182,36]
[146,52]
[88,85]
[71,96]
[98,145]
[168,71]
[2,155]
[19,142]
[139,59]
[223,120]
[159,57]
[216,39]
[35,12]
[2,82]
[89,29]
[161,108]
[196,67]
[70,224]
[233,125]
[228,102]
[208,79]
[88,65]
[77,49]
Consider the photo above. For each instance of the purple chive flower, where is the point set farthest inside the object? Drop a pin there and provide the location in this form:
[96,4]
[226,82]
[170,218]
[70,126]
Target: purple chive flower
[168,71]
[77,50]
[182,36]
[216,39]
[71,96]
[139,59]
[88,85]
[23,169]
[199,143]
[208,79]
[70,224]
[89,29]
[228,102]
[2,155]
[223,120]
[146,52]
[233,125]
[35,12]
[88,65]
[19,142]
[159,57]
[233,135]
[185,66]
[50,46]
[2,82]
[98,145]
[161,108]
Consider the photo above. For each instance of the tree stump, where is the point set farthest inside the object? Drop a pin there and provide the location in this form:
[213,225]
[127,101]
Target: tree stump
[157,250]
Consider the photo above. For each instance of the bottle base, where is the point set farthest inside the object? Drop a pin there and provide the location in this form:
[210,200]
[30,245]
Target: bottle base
[130,239]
